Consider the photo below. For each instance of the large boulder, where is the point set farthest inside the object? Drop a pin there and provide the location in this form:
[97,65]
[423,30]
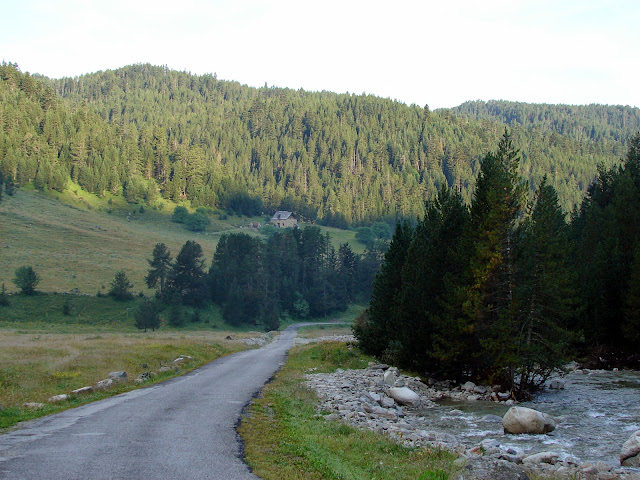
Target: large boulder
[468,386]
[404,396]
[630,453]
[527,420]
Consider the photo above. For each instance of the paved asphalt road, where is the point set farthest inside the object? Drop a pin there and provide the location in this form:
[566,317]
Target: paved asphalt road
[183,428]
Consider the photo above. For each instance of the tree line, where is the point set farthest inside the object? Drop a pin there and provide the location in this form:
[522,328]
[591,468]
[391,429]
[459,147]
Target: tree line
[146,132]
[293,272]
[505,290]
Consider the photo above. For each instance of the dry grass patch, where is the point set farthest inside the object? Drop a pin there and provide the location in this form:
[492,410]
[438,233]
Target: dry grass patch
[35,366]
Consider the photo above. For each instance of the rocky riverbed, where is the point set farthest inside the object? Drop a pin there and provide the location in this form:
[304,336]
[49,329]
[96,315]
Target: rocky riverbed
[372,399]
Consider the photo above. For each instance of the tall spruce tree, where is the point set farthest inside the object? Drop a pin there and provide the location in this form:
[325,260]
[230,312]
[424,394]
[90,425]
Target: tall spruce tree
[490,239]
[546,298]
[374,330]
[187,276]
[431,257]
[160,267]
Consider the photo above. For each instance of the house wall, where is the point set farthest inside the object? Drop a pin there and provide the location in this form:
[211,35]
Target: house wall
[289,222]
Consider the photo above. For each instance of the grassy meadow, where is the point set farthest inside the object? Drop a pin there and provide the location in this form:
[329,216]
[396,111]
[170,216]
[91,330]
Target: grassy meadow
[76,241]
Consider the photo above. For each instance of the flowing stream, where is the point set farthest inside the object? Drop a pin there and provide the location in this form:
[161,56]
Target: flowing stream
[597,411]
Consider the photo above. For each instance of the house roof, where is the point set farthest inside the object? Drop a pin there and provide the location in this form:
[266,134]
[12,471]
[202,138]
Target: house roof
[281,215]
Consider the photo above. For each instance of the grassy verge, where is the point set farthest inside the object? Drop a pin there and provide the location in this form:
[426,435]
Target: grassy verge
[285,437]
[35,366]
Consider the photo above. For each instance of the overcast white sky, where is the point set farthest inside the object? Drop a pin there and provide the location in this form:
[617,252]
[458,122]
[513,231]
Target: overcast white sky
[424,52]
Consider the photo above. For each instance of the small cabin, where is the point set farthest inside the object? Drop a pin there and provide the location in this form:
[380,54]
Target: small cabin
[283,219]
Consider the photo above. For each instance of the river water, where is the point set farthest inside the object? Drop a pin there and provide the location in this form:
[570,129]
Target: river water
[597,411]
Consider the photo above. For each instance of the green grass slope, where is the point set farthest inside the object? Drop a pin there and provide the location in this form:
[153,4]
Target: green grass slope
[78,241]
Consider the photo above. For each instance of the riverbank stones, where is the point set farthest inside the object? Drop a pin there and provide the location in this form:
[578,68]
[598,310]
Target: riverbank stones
[630,453]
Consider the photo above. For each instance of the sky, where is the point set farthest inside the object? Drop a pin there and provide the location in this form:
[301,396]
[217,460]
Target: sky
[418,52]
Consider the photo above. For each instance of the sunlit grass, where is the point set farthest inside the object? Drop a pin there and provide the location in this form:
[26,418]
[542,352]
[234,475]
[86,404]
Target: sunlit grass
[76,240]
[286,438]
[35,366]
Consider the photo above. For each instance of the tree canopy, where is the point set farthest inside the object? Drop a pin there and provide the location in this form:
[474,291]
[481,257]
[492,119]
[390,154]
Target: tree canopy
[147,132]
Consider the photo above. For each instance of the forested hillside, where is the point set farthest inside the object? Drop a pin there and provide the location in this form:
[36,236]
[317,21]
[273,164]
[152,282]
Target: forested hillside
[609,125]
[145,131]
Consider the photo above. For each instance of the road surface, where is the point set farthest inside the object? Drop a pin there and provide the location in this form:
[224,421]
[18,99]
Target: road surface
[183,428]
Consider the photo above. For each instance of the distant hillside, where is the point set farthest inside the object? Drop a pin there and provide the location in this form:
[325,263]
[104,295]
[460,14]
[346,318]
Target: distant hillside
[594,123]
[146,132]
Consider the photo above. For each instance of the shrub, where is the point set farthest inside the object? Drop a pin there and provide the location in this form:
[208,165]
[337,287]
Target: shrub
[197,222]
[180,214]
[26,279]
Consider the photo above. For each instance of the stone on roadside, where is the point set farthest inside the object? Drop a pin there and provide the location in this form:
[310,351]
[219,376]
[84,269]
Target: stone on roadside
[82,391]
[404,396]
[630,453]
[33,405]
[118,376]
[104,384]
[527,420]
[58,398]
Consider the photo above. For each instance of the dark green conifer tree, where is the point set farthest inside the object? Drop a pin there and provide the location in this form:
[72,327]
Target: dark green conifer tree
[121,287]
[545,299]
[187,276]
[488,291]
[374,330]
[432,257]
[160,267]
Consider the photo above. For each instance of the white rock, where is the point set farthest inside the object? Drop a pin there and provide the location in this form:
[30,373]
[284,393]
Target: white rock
[404,395]
[374,396]
[388,402]
[630,453]
[390,377]
[468,386]
[83,390]
[58,398]
[556,385]
[543,457]
[33,405]
[480,389]
[104,384]
[527,420]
